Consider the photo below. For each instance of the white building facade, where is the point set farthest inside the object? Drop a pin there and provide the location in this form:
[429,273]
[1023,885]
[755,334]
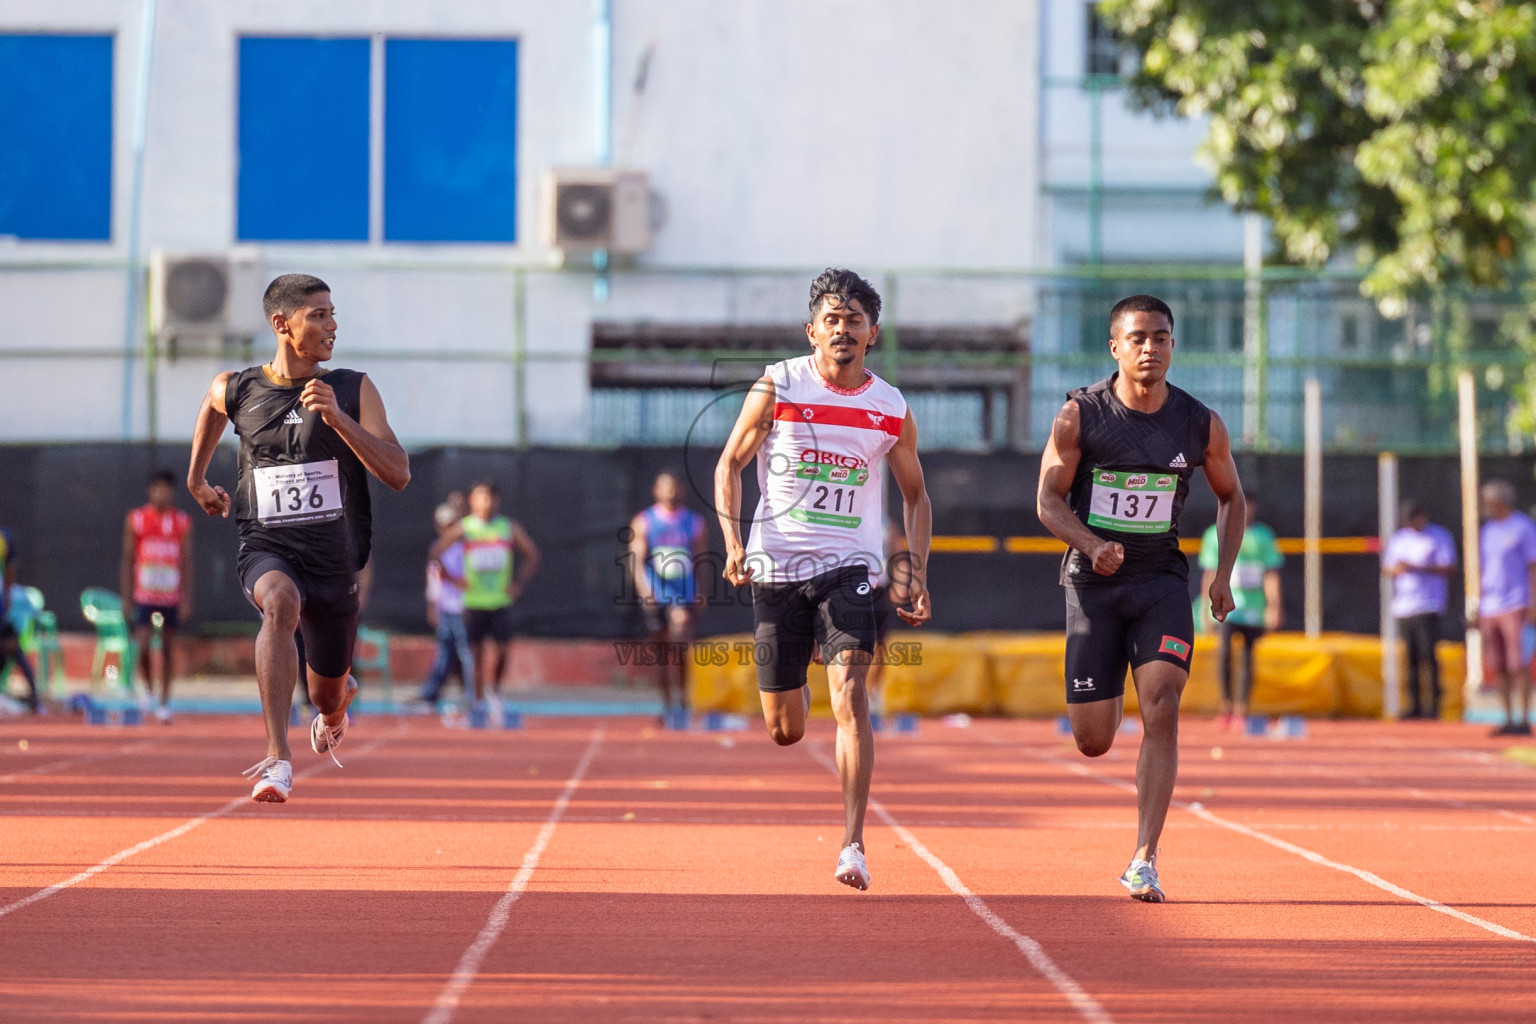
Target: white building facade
[398,149]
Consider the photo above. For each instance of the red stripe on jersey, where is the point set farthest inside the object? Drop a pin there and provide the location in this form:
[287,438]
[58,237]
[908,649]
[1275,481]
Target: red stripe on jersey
[838,416]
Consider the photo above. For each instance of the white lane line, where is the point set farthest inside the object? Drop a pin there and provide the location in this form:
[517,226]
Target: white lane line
[469,964]
[70,762]
[164,837]
[1369,877]
[1038,958]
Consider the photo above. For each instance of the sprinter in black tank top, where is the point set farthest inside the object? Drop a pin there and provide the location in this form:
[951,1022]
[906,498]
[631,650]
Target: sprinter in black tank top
[308,440]
[1113,481]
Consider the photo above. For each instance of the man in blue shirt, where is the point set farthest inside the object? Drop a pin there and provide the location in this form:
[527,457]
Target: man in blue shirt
[1420,558]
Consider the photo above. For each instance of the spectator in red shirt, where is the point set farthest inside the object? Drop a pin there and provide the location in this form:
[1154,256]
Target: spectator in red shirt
[156,580]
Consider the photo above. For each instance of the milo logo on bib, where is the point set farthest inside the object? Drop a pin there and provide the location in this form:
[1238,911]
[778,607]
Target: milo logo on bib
[832,495]
[1131,502]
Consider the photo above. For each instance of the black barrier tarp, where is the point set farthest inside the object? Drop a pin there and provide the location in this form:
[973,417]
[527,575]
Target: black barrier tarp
[64,504]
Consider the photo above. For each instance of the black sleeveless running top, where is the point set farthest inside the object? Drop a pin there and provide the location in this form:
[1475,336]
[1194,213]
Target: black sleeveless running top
[1133,478]
[292,516]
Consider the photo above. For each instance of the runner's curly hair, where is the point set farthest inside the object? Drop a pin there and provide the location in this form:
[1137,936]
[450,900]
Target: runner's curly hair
[842,287]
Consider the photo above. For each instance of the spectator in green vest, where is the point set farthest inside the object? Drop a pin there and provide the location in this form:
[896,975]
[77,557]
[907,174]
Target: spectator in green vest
[1258,608]
[493,547]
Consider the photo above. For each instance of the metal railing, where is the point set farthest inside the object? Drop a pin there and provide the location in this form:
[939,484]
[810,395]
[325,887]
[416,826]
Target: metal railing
[1387,383]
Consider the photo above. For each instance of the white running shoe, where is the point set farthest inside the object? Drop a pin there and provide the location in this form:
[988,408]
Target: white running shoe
[163,714]
[274,780]
[324,739]
[851,869]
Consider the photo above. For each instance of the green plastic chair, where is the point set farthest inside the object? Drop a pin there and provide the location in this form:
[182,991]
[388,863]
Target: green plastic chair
[378,639]
[40,640]
[104,610]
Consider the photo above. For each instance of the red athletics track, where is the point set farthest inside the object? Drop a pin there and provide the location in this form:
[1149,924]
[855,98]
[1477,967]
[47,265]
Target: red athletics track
[688,877]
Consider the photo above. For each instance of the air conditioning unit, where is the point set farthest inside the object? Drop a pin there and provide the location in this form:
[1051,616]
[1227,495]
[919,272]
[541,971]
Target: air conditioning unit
[206,303]
[593,208]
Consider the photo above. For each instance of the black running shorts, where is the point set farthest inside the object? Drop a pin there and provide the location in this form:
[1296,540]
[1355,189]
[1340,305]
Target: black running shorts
[492,623]
[144,615]
[833,611]
[327,611]
[1113,626]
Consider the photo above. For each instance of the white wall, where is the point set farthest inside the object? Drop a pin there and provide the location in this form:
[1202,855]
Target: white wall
[780,133]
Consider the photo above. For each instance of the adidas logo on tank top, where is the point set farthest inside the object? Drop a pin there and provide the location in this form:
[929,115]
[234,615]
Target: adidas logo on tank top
[293,419]
[1179,462]
[821,474]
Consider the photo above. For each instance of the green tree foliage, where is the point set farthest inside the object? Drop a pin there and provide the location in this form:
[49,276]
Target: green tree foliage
[1403,130]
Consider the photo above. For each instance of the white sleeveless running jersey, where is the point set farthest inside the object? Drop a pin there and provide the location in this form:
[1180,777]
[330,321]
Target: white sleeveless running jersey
[821,474]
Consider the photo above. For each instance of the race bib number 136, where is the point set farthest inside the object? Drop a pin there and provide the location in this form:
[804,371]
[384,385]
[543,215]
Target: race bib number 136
[1132,502]
[290,495]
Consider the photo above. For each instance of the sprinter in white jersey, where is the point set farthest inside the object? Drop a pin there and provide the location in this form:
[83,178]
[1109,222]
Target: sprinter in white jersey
[823,429]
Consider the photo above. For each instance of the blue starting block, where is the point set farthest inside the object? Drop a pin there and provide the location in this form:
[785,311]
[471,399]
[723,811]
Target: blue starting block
[480,717]
[678,719]
[876,721]
[1292,727]
[906,723]
[511,719]
[102,714]
[295,716]
[1256,725]
[1064,725]
[721,721]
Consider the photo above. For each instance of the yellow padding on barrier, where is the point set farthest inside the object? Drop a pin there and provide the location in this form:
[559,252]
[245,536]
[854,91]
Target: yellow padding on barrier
[1020,675]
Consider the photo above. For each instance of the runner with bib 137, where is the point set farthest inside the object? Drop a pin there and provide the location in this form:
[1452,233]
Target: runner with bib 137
[308,440]
[1112,482]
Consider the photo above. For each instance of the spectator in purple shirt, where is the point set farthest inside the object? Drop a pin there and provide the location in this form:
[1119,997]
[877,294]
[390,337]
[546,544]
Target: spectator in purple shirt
[1419,558]
[1507,547]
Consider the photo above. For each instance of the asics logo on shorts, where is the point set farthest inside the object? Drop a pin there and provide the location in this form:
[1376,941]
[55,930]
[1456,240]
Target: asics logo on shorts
[1082,684]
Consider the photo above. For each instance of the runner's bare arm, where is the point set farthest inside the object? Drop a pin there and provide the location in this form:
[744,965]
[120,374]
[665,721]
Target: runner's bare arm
[747,436]
[211,420]
[1274,604]
[369,436]
[1231,514]
[917,515]
[639,551]
[125,569]
[528,560]
[187,576]
[1057,468]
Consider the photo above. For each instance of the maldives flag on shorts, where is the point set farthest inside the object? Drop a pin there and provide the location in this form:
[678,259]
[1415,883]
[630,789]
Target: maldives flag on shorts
[1173,645]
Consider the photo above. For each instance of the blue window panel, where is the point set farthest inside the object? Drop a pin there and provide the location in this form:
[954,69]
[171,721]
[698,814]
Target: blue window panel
[303,139]
[450,140]
[56,137]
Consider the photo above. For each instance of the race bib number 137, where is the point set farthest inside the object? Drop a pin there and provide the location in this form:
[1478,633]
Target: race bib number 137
[305,493]
[1132,502]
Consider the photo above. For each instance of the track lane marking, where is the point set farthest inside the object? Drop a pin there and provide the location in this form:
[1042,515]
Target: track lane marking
[469,963]
[70,762]
[1369,877]
[165,837]
[1035,953]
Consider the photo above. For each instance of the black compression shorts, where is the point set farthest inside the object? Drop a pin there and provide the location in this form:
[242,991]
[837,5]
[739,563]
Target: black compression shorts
[1113,626]
[832,610]
[481,624]
[327,611]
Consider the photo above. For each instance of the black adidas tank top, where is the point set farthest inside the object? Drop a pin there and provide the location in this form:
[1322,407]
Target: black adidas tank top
[301,492]
[1133,478]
